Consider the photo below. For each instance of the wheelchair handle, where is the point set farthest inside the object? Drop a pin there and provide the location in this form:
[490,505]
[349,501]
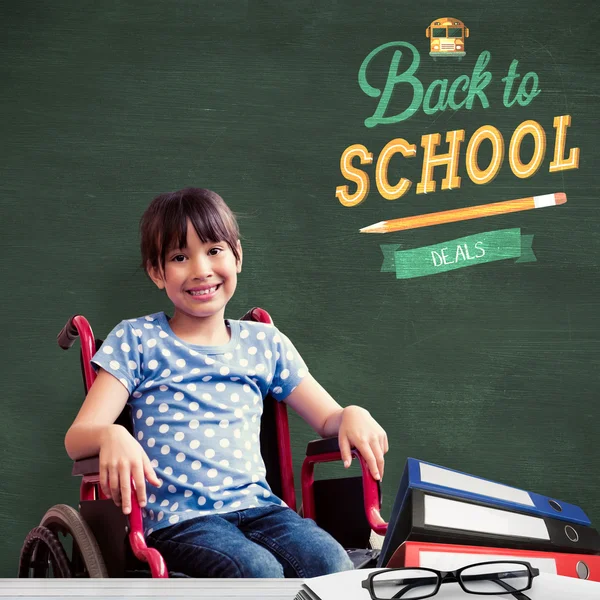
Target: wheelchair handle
[78,326]
[68,334]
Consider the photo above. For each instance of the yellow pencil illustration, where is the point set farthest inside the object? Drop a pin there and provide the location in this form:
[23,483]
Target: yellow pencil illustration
[464,214]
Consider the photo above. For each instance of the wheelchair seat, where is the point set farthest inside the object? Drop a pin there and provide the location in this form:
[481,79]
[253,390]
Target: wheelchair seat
[107,543]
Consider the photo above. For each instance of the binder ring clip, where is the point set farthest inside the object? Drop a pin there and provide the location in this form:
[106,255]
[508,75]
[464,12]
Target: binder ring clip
[582,569]
[555,505]
[571,534]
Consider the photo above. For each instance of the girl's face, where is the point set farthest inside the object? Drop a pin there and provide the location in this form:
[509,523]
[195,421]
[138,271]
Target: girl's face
[201,278]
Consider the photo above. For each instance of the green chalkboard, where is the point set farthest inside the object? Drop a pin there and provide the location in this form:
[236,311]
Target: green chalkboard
[491,368]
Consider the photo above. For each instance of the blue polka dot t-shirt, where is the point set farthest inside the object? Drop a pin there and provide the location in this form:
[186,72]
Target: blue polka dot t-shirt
[197,410]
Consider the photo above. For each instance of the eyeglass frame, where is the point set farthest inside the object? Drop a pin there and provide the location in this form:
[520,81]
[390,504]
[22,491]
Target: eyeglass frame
[454,577]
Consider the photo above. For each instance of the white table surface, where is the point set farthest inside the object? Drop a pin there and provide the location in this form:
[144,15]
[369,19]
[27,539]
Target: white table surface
[340,586]
[191,589]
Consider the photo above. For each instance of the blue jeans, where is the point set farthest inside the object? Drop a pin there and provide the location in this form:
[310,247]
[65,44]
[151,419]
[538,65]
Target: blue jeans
[270,541]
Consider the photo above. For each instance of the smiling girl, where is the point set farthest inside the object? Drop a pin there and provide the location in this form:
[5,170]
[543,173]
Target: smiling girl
[196,382]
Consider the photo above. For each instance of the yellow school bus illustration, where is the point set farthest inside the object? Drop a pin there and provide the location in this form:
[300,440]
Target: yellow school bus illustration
[447,37]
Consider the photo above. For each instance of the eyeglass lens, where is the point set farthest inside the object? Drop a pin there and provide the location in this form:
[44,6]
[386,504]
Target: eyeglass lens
[495,578]
[407,584]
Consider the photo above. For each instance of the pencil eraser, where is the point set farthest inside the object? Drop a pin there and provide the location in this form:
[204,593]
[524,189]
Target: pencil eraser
[560,197]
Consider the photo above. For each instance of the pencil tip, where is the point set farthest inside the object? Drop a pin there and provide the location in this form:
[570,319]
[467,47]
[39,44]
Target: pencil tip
[371,228]
[560,197]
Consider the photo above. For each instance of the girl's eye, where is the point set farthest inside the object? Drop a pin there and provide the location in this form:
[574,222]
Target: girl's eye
[215,251]
[178,258]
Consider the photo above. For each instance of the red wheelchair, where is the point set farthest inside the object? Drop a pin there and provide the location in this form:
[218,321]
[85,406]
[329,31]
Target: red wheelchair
[100,541]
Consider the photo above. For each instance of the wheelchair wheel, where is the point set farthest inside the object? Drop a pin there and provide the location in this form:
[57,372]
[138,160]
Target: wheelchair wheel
[42,555]
[86,559]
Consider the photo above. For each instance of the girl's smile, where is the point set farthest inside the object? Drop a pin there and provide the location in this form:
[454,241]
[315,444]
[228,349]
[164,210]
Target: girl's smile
[203,294]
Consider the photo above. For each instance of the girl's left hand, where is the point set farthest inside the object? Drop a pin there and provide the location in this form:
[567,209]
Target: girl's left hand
[360,430]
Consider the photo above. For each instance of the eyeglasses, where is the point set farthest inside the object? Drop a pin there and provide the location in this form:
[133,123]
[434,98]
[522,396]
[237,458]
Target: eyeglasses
[507,577]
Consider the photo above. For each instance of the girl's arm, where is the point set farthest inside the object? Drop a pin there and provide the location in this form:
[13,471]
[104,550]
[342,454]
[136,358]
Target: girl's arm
[94,433]
[103,404]
[353,425]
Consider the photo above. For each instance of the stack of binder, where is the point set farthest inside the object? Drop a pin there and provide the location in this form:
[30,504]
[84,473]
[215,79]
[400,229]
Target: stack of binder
[445,519]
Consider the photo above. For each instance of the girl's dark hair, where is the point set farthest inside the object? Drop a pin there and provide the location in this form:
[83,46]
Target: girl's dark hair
[164,223]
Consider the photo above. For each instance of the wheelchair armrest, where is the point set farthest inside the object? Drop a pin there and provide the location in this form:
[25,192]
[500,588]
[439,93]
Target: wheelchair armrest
[86,466]
[322,446]
[328,450]
[91,466]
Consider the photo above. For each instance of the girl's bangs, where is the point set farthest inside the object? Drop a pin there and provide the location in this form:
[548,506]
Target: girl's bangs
[209,222]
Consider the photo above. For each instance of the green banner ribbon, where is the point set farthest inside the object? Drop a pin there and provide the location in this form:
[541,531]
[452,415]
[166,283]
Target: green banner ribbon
[455,254]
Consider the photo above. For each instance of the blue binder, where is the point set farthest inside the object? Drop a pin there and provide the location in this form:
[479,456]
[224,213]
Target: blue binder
[425,476]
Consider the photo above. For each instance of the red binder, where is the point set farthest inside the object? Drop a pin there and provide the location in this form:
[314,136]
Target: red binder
[435,556]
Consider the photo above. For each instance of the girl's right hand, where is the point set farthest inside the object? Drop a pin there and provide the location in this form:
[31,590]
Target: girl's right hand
[122,458]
